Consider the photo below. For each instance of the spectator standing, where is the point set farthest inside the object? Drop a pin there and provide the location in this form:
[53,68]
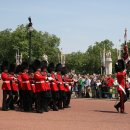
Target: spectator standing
[88,84]
[110,82]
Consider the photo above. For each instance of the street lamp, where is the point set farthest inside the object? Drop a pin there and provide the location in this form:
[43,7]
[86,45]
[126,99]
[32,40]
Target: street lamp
[30,29]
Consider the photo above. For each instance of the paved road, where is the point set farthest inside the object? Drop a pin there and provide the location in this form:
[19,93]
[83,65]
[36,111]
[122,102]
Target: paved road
[85,114]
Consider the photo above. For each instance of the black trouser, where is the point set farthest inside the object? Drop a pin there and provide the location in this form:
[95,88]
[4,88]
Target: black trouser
[27,100]
[47,97]
[14,99]
[123,99]
[68,97]
[55,97]
[7,97]
[34,100]
[20,101]
[39,101]
[61,101]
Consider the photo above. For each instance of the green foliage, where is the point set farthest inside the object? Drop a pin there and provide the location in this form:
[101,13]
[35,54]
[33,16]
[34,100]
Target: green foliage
[42,43]
[75,61]
[90,61]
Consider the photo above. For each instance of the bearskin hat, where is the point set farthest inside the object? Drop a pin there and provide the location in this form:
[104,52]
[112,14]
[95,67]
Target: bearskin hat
[44,64]
[31,69]
[36,64]
[4,66]
[25,65]
[18,69]
[64,70]
[58,67]
[51,67]
[12,68]
[120,65]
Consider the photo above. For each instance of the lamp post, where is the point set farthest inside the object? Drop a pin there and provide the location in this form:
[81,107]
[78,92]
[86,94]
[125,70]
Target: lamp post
[30,29]
[17,56]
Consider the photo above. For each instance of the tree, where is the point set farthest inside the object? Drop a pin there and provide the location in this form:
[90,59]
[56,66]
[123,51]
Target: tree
[42,43]
[90,61]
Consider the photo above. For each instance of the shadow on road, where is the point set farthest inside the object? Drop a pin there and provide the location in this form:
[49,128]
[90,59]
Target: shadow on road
[105,111]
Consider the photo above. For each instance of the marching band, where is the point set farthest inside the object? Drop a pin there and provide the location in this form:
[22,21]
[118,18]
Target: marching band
[35,88]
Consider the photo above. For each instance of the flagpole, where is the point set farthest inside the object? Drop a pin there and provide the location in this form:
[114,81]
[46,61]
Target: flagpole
[119,50]
[125,48]
[104,60]
[101,61]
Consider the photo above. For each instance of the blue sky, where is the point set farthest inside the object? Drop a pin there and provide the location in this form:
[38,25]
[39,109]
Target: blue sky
[78,23]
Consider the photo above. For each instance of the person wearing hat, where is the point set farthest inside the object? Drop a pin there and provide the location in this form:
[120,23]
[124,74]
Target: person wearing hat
[48,95]
[14,86]
[54,87]
[121,75]
[40,87]
[20,86]
[60,85]
[68,87]
[7,93]
[27,102]
[32,82]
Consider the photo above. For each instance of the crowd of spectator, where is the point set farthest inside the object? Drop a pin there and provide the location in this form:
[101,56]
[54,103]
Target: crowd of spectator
[97,86]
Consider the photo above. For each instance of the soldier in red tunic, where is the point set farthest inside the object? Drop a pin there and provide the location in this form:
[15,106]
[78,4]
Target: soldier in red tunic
[48,95]
[54,87]
[20,85]
[14,86]
[27,100]
[32,82]
[40,87]
[61,87]
[68,86]
[121,74]
[7,93]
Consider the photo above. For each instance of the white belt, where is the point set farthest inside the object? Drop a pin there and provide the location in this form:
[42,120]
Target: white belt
[25,81]
[32,84]
[40,82]
[122,89]
[6,81]
[60,82]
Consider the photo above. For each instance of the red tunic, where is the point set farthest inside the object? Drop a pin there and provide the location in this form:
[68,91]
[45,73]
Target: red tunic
[25,81]
[60,82]
[53,83]
[13,84]
[110,81]
[46,82]
[32,82]
[121,79]
[6,81]
[39,82]
[67,83]
[20,84]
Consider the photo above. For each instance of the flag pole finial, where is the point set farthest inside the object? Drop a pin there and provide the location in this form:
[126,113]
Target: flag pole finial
[125,36]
